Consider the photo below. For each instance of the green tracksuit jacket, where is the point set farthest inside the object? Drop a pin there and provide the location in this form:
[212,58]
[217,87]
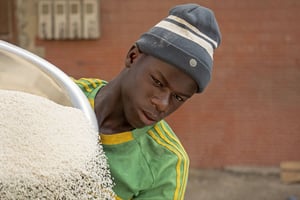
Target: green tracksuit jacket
[146,163]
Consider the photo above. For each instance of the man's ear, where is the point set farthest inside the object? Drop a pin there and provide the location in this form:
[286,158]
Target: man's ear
[132,55]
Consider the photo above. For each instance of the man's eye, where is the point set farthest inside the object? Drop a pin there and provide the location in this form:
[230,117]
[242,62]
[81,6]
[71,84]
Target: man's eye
[177,97]
[157,82]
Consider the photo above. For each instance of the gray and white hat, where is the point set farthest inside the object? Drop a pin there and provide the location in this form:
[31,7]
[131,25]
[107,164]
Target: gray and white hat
[186,39]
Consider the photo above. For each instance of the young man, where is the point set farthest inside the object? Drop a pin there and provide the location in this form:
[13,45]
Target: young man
[163,69]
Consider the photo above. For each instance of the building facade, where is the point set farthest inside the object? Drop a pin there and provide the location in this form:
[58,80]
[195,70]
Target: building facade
[250,112]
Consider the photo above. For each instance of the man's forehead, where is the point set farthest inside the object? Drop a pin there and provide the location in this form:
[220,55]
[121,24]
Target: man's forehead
[176,78]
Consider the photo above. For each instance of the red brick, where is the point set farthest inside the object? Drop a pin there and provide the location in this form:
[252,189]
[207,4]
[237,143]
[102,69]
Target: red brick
[249,114]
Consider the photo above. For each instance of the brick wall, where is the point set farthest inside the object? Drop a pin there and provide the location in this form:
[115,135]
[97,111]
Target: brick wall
[250,113]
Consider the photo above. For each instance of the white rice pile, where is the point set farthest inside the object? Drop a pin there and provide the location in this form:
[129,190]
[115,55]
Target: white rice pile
[49,151]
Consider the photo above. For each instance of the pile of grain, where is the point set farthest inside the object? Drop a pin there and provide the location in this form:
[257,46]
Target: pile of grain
[49,151]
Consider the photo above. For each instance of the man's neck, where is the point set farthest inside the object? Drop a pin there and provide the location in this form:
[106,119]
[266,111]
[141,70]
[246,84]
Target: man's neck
[109,110]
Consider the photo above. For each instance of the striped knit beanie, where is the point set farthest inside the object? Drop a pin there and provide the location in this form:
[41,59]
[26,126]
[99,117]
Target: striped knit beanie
[185,39]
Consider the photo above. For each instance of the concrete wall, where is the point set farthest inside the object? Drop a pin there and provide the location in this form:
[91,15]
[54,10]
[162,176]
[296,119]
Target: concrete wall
[250,113]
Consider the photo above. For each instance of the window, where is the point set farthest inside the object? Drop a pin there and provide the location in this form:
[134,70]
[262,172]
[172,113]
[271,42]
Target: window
[68,19]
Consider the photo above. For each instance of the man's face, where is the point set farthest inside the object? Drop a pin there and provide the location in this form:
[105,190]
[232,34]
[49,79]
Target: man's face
[153,89]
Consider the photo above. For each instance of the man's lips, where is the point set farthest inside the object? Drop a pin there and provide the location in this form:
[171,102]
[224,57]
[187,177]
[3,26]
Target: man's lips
[148,118]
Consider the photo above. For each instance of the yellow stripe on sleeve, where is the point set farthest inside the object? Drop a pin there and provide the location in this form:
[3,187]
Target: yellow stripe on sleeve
[178,165]
[93,82]
[181,150]
[85,85]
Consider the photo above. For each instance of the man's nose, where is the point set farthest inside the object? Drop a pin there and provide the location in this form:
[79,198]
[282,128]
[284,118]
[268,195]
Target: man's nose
[161,101]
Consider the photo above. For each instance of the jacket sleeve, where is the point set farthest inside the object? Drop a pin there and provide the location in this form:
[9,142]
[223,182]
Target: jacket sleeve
[169,163]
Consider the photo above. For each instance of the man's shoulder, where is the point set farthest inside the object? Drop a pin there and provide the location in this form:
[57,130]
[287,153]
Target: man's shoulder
[162,137]
[160,129]
[164,152]
[90,86]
